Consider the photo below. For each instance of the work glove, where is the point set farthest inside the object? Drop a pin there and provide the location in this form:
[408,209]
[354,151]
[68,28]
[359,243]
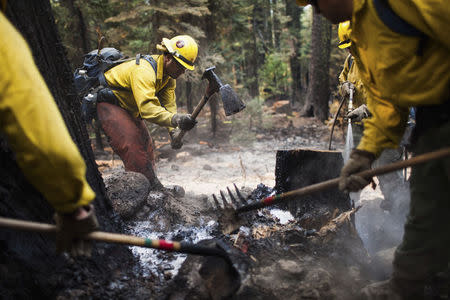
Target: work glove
[360,113]
[183,121]
[73,225]
[346,87]
[175,144]
[359,161]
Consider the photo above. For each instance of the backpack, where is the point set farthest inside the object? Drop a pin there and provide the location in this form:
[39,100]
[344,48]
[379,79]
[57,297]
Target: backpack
[90,78]
[90,75]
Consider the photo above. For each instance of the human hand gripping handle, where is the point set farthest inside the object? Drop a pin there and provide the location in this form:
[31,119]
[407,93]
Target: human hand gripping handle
[360,113]
[359,161]
[346,87]
[72,226]
[184,121]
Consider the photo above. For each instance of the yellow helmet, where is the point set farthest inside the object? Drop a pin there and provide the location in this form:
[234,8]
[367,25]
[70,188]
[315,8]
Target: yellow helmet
[344,32]
[183,48]
[302,2]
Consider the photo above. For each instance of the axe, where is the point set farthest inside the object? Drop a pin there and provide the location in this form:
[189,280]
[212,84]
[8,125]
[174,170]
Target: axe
[231,102]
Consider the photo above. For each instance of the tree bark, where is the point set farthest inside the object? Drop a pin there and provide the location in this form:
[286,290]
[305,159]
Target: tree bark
[294,26]
[319,89]
[31,266]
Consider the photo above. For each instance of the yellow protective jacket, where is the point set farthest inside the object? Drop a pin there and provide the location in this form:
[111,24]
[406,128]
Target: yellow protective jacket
[350,73]
[151,96]
[34,127]
[394,76]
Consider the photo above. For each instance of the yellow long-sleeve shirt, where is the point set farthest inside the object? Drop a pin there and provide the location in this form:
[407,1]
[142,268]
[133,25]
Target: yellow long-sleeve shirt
[350,73]
[151,96]
[34,127]
[394,76]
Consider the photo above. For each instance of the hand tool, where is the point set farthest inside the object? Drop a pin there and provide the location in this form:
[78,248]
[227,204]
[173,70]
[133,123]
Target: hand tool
[231,102]
[229,219]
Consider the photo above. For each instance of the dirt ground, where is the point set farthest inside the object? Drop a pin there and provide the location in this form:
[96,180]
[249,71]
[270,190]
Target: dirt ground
[204,166]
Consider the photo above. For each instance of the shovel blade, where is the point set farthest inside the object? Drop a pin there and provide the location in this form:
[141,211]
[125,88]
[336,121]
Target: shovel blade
[231,102]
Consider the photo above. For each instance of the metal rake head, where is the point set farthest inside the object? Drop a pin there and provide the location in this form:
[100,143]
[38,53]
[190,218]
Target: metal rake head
[229,220]
[234,202]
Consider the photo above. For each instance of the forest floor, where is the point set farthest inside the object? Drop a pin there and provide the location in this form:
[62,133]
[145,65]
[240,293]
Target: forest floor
[206,165]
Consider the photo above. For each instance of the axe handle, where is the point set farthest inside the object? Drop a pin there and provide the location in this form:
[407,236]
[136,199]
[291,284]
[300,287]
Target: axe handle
[177,139]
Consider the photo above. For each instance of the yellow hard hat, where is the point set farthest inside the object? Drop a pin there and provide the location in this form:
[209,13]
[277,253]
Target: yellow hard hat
[183,48]
[344,32]
[302,2]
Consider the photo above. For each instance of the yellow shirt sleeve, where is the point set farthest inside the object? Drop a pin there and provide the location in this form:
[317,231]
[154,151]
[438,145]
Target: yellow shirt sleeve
[385,128]
[344,74]
[35,129]
[142,82]
[168,99]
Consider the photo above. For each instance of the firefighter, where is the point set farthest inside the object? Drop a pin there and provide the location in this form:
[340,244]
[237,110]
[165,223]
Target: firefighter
[392,184]
[44,150]
[349,80]
[403,64]
[144,90]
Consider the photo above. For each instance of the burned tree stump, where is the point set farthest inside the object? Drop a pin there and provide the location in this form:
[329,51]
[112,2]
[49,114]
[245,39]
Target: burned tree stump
[302,167]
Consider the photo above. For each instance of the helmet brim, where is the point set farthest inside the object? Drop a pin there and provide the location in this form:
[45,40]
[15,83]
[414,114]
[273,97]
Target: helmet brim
[191,68]
[345,44]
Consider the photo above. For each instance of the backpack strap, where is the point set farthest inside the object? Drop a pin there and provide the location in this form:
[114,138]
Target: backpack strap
[350,62]
[397,24]
[102,78]
[148,58]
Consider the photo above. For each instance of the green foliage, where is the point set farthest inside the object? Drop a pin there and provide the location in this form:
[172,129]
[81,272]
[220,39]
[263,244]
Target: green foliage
[274,74]
[248,122]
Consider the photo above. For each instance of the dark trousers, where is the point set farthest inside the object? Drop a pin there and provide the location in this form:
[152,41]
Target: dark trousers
[425,249]
[130,139]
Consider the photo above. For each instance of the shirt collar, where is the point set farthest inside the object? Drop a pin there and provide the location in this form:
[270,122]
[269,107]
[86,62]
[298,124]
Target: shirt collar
[160,66]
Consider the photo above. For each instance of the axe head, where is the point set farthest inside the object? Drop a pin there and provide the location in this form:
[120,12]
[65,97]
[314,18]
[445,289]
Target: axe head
[231,102]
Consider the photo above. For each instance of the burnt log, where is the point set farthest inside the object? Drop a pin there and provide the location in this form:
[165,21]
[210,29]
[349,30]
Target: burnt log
[303,167]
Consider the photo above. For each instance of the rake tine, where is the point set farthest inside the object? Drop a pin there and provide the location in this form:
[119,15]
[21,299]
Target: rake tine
[216,202]
[224,200]
[238,193]
[235,202]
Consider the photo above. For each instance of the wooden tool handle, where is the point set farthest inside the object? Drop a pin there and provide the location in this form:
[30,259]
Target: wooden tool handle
[177,139]
[116,238]
[324,185]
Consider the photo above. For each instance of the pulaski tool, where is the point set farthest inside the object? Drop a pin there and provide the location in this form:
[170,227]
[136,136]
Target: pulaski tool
[230,221]
[231,102]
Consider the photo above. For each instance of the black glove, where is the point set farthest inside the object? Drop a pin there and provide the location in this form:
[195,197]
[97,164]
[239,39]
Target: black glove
[174,144]
[71,226]
[359,161]
[183,121]
[360,113]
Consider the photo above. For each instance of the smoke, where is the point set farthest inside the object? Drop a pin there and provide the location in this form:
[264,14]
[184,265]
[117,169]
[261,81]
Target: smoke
[380,221]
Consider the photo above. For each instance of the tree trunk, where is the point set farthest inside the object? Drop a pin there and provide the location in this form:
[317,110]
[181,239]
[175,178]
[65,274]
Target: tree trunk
[294,26]
[319,89]
[30,267]
[214,109]
[79,38]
